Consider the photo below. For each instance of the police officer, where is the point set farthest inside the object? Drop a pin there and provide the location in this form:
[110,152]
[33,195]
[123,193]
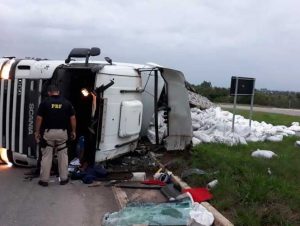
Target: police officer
[55,115]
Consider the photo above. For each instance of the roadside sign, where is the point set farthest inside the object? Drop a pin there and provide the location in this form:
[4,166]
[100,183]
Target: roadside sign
[242,86]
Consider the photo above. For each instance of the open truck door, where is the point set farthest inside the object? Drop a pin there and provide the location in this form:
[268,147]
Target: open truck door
[180,130]
[165,90]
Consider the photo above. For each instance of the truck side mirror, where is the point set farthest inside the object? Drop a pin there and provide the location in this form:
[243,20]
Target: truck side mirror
[95,51]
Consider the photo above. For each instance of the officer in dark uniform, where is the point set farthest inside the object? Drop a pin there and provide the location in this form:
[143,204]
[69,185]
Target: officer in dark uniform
[55,115]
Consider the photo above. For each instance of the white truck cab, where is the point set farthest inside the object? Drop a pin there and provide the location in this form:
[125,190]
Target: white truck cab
[110,100]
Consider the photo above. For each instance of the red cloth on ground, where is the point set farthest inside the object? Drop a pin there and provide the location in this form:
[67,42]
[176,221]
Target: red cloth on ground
[199,194]
[154,182]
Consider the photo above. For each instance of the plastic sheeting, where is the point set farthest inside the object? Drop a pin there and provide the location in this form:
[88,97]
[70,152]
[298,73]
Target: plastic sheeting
[173,213]
[183,212]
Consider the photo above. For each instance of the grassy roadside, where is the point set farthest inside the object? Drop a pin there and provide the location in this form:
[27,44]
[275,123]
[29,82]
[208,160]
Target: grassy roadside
[273,118]
[246,193]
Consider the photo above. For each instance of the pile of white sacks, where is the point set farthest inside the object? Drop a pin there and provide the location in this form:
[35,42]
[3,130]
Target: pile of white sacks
[215,126]
[199,101]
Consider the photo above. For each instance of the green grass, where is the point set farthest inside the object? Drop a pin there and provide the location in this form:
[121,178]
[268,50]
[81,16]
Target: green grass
[272,118]
[246,194]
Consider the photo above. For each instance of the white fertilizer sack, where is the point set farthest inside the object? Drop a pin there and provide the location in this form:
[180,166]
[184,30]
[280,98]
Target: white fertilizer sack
[263,154]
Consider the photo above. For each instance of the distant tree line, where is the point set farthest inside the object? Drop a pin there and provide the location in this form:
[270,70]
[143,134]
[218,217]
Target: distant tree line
[263,97]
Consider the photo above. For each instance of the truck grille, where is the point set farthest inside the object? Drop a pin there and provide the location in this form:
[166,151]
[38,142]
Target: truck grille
[19,100]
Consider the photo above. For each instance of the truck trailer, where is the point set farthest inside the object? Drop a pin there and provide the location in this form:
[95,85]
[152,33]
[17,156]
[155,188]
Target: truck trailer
[114,103]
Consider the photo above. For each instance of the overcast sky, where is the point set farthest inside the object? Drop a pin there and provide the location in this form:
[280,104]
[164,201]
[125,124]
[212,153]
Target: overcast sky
[208,40]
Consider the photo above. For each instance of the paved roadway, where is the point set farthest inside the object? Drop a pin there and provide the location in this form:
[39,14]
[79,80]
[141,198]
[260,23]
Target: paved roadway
[285,111]
[24,203]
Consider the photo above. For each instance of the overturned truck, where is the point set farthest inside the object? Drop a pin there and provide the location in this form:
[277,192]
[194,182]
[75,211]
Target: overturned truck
[114,103]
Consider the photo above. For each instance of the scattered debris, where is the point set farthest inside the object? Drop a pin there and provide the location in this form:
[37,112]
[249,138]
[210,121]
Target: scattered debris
[189,172]
[138,176]
[137,185]
[269,171]
[212,184]
[134,162]
[263,154]
[201,215]
[170,192]
[90,174]
[154,182]
[199,194]
[73,165]
[163,176]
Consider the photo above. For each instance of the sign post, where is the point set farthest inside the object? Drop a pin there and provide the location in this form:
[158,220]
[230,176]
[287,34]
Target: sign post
[242,86]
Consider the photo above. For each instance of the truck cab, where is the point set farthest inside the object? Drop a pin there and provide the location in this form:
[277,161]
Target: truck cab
[109,98]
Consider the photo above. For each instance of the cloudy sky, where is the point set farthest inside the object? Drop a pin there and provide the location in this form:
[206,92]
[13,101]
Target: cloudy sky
[208,40]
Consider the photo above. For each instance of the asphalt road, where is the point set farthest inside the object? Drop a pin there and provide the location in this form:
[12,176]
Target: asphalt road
[24,203]
[284,111]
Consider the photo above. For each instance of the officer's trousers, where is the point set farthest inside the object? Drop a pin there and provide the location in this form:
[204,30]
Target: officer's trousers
[55,138]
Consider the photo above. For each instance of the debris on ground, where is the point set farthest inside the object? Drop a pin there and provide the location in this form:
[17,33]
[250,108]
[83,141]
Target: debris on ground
[133,162]
[263,154]
[162,176]
[154,182]
[199,194]
[297,143]
[189,172]
[212,184]
[269,171]
[138,176]
[201,215]
[74,164]
[170,191]
[89,175]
